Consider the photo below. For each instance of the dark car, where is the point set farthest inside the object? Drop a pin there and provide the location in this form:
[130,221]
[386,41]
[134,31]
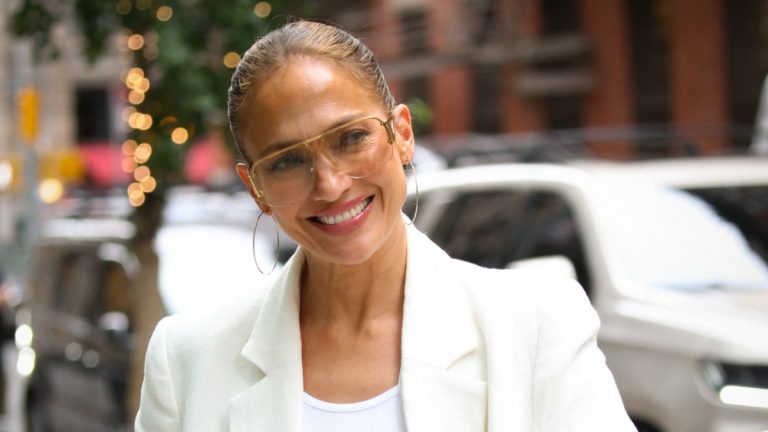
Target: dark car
[75,333]
[74,327]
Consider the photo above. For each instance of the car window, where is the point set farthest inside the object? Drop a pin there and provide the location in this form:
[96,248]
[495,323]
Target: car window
[744,206]
[75,287]
[671,239]
[116,288]
[493,228]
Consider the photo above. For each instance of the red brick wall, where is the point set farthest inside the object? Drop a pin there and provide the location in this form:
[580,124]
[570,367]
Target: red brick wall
[698,61]
[610,102]
[520,114]
[450,88]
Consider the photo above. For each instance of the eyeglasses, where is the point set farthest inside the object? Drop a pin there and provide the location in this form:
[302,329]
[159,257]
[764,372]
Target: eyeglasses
[356,149]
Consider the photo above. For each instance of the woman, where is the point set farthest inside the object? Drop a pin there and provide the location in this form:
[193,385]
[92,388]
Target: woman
[369,326]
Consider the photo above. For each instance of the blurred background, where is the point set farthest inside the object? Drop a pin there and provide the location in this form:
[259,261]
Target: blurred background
[553,119]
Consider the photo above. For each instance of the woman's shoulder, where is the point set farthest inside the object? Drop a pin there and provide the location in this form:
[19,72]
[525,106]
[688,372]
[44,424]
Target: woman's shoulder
[499,287]
[220,321]
[515,288]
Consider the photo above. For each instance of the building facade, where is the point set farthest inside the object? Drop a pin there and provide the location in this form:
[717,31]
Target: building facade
[516,66]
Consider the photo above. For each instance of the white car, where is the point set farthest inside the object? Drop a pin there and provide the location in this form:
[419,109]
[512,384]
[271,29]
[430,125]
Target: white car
[682,297]
[735,186]
[206,248]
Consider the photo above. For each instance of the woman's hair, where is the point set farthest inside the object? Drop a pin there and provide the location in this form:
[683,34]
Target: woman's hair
[302,38]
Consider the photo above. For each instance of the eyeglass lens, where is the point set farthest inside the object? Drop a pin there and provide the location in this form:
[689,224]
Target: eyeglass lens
[358,149]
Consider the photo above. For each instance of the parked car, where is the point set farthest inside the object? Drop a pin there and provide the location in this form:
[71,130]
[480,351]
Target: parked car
[74,333]
[682,297]
[736,186]
[73,330]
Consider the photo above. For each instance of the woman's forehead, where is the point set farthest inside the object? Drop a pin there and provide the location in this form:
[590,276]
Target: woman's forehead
[302,79]
[303,98]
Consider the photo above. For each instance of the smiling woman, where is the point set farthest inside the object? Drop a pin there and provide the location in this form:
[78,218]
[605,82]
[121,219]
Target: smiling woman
[369,326]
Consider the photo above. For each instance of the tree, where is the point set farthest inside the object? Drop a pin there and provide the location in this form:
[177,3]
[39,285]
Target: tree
[183,53]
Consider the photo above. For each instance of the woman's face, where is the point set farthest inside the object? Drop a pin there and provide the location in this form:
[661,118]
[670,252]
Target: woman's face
[343,220]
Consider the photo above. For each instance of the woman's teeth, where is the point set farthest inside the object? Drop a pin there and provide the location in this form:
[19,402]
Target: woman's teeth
[347,215]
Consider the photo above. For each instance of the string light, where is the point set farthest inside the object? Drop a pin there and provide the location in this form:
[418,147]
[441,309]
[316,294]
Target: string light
[141,173]
[135,194]
[50,190]
[262,9]
[142,153]
[135,41]
[164,13]
[142,86]
[151,38]
[123,7]
[143,4]
[140,121]
[151,52]
[179,135]
[128,165]
[135,97]
[127,113]
[137,201]
[6,174]
[134,78]
[231,59]
[128,147]
[168,120]
[148,184]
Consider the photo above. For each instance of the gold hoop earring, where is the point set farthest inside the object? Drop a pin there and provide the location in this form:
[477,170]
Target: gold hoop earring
[253,245]
[416,184]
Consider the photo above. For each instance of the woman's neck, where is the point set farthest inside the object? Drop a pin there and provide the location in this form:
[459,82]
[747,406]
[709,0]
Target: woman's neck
[357,295]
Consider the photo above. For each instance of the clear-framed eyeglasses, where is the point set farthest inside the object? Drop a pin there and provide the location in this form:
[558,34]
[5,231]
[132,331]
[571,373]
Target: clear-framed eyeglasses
[359,148]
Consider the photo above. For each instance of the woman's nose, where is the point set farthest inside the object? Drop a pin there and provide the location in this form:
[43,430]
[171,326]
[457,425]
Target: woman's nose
[330,183]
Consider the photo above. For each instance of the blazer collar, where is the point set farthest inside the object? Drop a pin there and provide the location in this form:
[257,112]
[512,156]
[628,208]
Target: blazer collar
[276,336]
[438,327]
[274,402]
[438,330]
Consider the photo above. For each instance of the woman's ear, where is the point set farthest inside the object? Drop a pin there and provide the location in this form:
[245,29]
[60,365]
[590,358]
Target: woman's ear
[242,172]
[403,128]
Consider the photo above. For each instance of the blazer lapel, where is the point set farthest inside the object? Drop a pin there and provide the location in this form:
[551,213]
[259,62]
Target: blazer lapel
[439,332]
[274,402]
[442,378]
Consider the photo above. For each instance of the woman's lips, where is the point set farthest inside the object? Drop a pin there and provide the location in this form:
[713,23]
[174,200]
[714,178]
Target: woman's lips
[344,219]
[345,215]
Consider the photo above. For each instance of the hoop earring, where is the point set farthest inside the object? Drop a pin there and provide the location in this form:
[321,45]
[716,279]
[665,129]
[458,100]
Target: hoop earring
[253,245]
[416,183]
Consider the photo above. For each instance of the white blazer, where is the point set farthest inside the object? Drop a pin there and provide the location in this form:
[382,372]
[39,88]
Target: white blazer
[482,350]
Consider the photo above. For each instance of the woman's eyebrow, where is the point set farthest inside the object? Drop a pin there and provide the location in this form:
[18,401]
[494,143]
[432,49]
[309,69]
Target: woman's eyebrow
[275,147]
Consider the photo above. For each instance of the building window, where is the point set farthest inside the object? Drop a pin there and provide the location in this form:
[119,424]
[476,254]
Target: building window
[486,84]
[747,37]
[561,17]
[413,25]
[415,42]
[650,50]
[93,114]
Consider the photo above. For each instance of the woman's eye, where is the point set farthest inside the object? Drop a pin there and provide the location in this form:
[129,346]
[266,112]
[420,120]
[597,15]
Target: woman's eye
[287,161]
[352,140]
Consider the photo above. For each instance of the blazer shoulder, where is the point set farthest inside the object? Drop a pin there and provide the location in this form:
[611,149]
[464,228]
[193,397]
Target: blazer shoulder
[225,320]
[516,287]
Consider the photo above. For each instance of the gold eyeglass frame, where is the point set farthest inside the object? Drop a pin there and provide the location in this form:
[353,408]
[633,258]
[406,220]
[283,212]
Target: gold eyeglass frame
[390,140]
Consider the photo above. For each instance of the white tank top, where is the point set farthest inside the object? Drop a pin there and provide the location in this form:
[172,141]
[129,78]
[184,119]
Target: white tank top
[382,413]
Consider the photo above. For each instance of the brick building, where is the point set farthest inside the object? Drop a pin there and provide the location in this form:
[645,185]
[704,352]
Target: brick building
[510,66]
